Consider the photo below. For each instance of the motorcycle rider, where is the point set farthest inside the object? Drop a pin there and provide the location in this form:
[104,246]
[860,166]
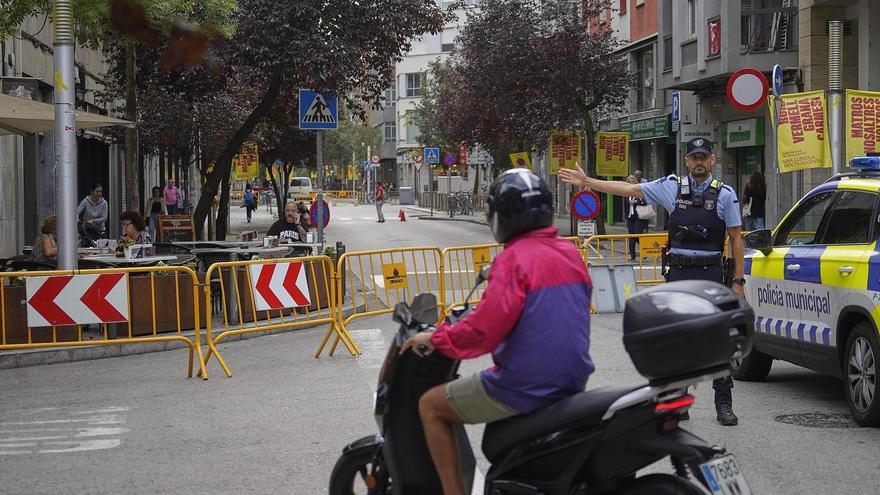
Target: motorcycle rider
[534,318]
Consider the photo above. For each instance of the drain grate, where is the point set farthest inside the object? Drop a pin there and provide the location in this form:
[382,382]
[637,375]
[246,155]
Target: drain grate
[818,420]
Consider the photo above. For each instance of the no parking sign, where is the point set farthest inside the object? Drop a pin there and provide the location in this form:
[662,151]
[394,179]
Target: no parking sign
[585,205]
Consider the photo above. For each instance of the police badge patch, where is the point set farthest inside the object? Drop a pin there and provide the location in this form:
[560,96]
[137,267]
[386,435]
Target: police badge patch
[709,204]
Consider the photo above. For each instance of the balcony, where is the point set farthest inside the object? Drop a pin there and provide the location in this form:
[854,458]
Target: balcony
[769,29]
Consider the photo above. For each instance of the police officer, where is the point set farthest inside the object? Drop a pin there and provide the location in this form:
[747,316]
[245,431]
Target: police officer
[701,211]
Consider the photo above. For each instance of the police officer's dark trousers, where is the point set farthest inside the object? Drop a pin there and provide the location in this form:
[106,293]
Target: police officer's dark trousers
[722,386]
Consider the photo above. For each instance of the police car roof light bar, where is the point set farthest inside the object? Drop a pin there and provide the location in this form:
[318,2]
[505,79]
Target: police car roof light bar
[870,162]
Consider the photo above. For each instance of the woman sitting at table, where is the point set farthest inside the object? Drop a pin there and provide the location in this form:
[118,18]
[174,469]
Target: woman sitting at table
[134,229]
[45,248]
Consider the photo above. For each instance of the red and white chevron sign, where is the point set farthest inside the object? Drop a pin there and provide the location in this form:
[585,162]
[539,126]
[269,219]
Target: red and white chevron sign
[280,285]
[77,299]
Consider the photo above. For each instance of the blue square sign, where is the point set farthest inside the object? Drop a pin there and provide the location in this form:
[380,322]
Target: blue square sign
[318,110]
[431,155]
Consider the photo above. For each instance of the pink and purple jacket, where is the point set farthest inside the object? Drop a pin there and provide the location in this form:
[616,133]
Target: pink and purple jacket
[534,318]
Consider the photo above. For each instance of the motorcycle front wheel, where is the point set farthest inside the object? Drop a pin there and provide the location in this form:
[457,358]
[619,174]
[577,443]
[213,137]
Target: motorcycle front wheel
[360,471]
[660,484]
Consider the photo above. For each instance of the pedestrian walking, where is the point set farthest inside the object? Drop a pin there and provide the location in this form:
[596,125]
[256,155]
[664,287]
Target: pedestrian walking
[634,223]
[249,201]
[181,200]
[754,201]
[92,215]
[170,194]
[380,200]
[701,211]
[154,207]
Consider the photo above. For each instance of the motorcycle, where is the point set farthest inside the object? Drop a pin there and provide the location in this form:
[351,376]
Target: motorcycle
[594,442]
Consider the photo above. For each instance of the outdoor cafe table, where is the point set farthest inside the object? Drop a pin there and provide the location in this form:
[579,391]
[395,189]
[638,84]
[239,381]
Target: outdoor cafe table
[121,260]
[231,244]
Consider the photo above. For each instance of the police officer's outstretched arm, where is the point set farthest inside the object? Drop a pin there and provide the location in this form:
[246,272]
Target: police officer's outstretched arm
[737,252]
[578,177]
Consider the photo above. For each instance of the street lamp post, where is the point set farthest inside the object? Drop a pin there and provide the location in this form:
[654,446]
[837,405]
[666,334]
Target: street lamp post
[65,135]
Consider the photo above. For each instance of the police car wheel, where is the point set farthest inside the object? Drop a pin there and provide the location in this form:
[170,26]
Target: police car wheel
[860,375]
[753,368]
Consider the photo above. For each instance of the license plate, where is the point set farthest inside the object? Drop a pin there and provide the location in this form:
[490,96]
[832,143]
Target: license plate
[725,476]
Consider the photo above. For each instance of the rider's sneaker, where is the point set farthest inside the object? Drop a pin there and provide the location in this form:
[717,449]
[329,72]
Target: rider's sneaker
[725,415]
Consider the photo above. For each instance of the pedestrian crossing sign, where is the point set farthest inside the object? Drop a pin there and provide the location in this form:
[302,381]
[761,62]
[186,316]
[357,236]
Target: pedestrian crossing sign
[318,110]
[432,155]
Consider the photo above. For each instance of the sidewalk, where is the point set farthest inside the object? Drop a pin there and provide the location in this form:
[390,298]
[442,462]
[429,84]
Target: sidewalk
[480,218]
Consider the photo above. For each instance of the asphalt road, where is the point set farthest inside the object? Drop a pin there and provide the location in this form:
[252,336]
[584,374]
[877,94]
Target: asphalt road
[136,424]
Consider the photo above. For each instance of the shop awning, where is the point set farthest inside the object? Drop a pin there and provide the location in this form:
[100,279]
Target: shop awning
[21,116]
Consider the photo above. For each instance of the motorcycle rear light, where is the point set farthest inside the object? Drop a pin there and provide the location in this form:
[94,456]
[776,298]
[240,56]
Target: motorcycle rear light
[673,405]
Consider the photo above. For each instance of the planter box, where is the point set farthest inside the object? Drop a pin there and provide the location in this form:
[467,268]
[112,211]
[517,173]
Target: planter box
[15,309]
[166,305]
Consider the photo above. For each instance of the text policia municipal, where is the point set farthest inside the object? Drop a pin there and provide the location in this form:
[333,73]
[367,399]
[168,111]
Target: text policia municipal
[808,301]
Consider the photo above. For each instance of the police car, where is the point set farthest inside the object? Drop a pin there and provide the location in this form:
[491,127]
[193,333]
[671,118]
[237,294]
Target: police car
[814,283]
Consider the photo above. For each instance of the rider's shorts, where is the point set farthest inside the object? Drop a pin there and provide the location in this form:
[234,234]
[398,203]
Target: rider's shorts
[469,399]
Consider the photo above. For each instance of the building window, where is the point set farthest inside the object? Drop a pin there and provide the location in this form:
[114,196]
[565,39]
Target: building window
[447,47]
[714,28]
[390,96]
[413,133]
[414,84]
[666,33]
[689,53]
[768,26]
[645,80]
[622,8]
[390,132]
[692,18]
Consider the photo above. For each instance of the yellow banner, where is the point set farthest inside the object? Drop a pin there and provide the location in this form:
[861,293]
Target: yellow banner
[395,275]
[521,160]
[862,123]
[247,162]
[611,154]
[565,150]
[349,173]
[802,141]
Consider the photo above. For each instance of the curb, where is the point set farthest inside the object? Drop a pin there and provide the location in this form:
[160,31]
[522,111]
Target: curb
[51,355]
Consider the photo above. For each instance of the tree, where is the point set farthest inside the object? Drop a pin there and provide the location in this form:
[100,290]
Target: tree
[524,68]
[336,45]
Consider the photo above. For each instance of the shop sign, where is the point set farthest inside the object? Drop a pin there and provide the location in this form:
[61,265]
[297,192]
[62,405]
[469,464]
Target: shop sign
[743,133]
[693,131]
[651,128]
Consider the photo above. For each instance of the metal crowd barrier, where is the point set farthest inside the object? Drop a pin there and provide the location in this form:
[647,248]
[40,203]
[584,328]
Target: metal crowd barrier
[610,250]
[302,293]
[142,310]
[461,265]
[378,280]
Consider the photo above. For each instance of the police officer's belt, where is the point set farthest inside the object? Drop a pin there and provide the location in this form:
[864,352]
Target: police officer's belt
[680,260]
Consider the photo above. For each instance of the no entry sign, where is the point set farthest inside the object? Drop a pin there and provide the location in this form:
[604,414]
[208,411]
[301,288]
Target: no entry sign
[585,205]
[747,89]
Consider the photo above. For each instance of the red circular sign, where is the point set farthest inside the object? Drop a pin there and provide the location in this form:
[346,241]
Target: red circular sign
[313,213]
[747,89]
[585,205]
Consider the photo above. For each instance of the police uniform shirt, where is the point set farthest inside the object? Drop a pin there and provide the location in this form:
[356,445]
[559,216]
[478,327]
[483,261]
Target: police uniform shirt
[664,191]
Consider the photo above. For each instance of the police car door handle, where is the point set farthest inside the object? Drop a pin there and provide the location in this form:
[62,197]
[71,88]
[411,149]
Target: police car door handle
[793,268]
[845,270]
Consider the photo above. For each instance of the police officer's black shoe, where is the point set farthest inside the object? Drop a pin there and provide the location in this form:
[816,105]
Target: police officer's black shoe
[725,415]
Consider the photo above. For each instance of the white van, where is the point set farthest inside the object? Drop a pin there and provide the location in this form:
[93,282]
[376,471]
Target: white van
[300,189]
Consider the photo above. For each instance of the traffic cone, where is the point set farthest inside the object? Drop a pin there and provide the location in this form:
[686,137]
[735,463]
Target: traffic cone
[402,215]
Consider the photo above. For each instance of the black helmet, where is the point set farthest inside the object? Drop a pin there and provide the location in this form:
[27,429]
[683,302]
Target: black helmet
[518,201]
[686,328]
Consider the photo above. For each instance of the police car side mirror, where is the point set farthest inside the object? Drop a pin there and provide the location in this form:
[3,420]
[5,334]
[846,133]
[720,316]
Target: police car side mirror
[762,240]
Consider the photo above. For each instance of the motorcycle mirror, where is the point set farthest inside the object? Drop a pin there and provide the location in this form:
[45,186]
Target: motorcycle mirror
[402,314]
[483,275]
[424,308]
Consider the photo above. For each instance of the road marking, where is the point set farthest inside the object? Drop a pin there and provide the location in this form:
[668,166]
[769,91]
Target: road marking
[344,219]
[63,431]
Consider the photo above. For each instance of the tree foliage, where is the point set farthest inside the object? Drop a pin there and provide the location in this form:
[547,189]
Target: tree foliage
[522,69]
